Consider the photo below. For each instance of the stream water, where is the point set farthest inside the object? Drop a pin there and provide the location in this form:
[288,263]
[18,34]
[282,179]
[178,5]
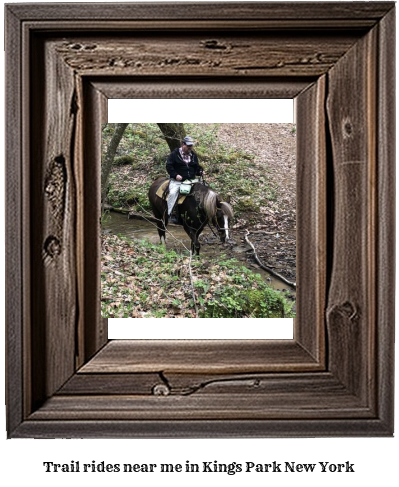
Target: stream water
[177,239]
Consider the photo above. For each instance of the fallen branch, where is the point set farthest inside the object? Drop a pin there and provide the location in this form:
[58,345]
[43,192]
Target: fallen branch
[134,215]
[263,232]
[116,210]
[268,269]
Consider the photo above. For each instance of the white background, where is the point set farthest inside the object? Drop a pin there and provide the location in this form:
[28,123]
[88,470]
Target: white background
[203,111]
[375,459]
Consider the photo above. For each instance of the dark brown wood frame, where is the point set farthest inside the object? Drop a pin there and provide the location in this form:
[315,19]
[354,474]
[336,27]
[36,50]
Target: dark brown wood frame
[336,377]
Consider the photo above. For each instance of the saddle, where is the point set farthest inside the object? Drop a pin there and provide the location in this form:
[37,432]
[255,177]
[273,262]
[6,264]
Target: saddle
[163,190]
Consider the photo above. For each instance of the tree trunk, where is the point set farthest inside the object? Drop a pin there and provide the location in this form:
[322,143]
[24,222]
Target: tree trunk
[174,133]
[106,164]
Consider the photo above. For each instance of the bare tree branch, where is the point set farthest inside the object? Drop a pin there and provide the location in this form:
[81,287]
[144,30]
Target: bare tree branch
[268,269]
[174,133]
[106,164]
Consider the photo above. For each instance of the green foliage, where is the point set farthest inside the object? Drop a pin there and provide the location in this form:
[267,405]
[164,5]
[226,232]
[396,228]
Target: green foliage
[246,204]
[120,198]
[123,160]
[244,294]
[229,171]
[228,290]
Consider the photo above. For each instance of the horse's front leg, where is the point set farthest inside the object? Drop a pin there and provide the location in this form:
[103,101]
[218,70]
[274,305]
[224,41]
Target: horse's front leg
[162,234]
[195,246]
[161,227]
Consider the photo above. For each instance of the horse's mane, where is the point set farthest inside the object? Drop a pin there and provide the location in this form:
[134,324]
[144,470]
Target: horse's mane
[211,202]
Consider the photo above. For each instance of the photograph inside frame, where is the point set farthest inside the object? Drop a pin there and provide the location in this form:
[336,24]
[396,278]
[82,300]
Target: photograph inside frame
[198,220]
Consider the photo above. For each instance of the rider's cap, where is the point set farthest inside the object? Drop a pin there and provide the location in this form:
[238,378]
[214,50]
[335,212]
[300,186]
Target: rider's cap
[188,141]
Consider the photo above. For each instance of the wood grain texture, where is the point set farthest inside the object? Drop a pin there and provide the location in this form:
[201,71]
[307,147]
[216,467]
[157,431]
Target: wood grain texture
[53,209]
[116,428]
[241,54]
[277,11]
[78,175]
[136,87]
[92,112]
[71,382]
[340,26]
[352,127]
[311,201]
[95,328]
[200,356]
[15,258]
[311,219]
[385,270]
[111,384]
[184,384]
[203,407]
[275,396]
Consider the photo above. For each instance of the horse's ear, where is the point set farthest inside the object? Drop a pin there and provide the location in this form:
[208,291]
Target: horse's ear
[228,199]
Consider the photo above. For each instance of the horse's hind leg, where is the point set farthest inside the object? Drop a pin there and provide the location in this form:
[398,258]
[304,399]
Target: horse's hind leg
[193,234]
[162,221]
[161,227]
[195,245]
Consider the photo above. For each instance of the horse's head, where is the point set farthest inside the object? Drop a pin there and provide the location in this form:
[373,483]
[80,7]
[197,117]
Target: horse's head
[224,215]
[218,212]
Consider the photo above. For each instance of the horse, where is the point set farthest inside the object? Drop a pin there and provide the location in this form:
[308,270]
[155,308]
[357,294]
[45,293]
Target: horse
[200,207]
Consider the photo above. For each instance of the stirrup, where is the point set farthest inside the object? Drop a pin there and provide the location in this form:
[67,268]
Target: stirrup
[173,218]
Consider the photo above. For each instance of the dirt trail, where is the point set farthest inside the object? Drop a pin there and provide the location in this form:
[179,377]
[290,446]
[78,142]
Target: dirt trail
[273,230]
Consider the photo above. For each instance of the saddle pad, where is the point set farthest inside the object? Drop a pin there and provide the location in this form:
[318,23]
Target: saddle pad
[161,190]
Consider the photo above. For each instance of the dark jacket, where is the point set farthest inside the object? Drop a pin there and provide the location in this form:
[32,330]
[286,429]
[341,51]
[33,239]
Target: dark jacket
[175,165]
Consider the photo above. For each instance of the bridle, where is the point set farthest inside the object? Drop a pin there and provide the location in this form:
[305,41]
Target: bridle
[218,228]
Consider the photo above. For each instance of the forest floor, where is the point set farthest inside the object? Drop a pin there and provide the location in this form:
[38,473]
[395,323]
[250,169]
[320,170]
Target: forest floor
[273,228]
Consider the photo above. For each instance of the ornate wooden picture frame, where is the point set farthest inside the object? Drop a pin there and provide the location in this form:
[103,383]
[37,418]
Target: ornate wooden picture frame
[64,378]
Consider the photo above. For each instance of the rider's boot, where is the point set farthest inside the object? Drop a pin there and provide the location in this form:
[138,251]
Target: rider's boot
[173,218]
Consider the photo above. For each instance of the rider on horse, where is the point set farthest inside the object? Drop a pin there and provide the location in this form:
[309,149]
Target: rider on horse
[182,164]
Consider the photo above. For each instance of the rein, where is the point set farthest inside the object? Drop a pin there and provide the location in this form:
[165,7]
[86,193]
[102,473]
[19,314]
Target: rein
[216,225]
[212,230]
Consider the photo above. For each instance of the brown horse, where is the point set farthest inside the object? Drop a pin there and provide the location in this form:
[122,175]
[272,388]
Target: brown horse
[201,206]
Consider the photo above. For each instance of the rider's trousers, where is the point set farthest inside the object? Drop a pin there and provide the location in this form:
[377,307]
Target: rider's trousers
[174,188]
